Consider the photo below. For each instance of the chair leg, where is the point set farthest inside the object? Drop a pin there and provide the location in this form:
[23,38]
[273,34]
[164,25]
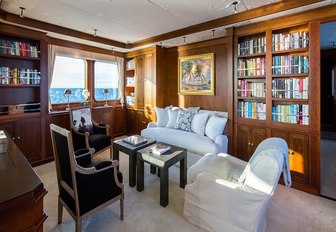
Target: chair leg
[111,153]
[78,224]
[60,211]
[122,209]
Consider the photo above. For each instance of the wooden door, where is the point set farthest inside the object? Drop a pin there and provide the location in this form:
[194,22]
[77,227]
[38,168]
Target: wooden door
[243,138]
[298,148]
[9,127]
[257,136]
[106,118]
[130,123]
[149,82]
[139,81]
[28,138]
[118,121]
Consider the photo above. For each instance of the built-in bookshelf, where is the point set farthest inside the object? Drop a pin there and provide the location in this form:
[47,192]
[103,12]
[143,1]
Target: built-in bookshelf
[20,75]
[251,74]
[290,75]
[130,82]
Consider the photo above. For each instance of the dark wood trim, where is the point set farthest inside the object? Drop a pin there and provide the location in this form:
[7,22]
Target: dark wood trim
[12,18]
[228,20]
[83,47]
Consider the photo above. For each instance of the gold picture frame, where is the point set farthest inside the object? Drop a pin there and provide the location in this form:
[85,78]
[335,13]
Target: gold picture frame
[196,75]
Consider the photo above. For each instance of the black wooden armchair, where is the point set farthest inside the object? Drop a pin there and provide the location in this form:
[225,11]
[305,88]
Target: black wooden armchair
[84,186]
[88,134]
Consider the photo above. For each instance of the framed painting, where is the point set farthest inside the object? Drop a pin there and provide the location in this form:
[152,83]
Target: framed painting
[196,75]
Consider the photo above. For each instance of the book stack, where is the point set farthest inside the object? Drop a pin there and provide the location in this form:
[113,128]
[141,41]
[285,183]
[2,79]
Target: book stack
[252,46]
[286,41]
[290,64]
[253,110]
[159,148]
[292,113]
[15,48]
[294,88]
[250,89]
[251,67]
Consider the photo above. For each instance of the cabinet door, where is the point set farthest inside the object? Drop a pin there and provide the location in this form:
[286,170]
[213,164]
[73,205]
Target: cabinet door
[28,138]
[298,148]
[247,140]
[149,82]
[95,114]
[118,121]
[257,136]
[106,118]
[139,81]
[9,127]
[131,127]
[141,121]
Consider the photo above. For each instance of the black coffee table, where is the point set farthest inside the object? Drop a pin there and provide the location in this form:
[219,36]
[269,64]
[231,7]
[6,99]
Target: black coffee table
[163,162]
[131,151]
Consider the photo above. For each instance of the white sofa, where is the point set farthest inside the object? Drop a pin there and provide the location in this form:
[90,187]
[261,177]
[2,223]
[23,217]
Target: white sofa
[205,135]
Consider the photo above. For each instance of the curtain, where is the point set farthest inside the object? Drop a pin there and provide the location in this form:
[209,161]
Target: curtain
[51,62]
[121,95]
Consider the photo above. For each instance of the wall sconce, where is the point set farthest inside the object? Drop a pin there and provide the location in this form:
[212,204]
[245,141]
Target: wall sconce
[106,92]
[67,93]
[213,33]
[184,39]
[235,3]
[22,9]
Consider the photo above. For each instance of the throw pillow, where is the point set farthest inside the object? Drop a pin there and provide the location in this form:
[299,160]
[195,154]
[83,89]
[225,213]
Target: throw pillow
[215,126]
[172,115]
[198,123]
[162,116]
[184,119]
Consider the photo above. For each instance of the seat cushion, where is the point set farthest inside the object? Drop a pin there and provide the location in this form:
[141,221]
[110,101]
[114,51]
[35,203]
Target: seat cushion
[99,141]
[191,141]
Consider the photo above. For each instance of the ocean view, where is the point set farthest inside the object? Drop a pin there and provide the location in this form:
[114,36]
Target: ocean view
[57,95]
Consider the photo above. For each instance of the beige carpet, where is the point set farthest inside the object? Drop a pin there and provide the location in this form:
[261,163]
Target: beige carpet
[290,209]
[328,167]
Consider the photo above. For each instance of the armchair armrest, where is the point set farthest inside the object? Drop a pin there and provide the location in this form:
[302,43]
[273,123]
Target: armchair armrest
[100,128]
[80,140]
[151,125]
[222,142]
[84,156]
[244,209]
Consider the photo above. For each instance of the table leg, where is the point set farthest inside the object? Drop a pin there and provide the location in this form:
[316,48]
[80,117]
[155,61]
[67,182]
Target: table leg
[132,168]
[183,172]
[140,175]
[164,185]
[152,169]
[116,155]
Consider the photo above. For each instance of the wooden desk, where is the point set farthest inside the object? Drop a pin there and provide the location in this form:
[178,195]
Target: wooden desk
[21,193]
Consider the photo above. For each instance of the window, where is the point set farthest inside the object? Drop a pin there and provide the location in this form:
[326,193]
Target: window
[106,77]
[69,73]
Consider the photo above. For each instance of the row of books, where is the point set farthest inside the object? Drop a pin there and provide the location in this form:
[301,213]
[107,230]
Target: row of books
[251,67]
[296,88]
[286,41]
[290,64]
[252,46]
[254,110]
[8,47]
[251,89]
[23,76]
[130,65]
[292,113]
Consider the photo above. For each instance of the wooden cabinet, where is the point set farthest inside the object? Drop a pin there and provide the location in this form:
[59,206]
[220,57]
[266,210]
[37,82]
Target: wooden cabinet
[103,115]
[26,133]
[131,121]
[247,140]
[118,121]
[298,146]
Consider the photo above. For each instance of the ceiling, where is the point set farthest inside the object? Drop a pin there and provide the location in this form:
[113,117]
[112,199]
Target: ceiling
[131,21]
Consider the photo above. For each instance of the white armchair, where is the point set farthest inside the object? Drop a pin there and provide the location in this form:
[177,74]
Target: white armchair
[224,193]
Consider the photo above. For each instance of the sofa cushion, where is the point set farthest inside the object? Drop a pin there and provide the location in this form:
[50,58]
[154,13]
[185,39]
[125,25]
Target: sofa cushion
[191,141]
[184,118]
[215,126]
[162,115]
[198,123]
[172,114]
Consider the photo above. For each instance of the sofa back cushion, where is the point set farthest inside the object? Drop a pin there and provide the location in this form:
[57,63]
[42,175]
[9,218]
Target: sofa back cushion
[184,118]
[172,116]
[215,126]
[198,123]
[162,117]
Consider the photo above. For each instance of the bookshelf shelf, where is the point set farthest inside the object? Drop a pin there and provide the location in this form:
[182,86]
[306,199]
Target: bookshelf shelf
[263,54]
[18,86]
[19,57]
[296,50]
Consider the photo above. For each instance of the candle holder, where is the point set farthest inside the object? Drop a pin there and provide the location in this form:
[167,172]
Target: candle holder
[106,92]
[67,93]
